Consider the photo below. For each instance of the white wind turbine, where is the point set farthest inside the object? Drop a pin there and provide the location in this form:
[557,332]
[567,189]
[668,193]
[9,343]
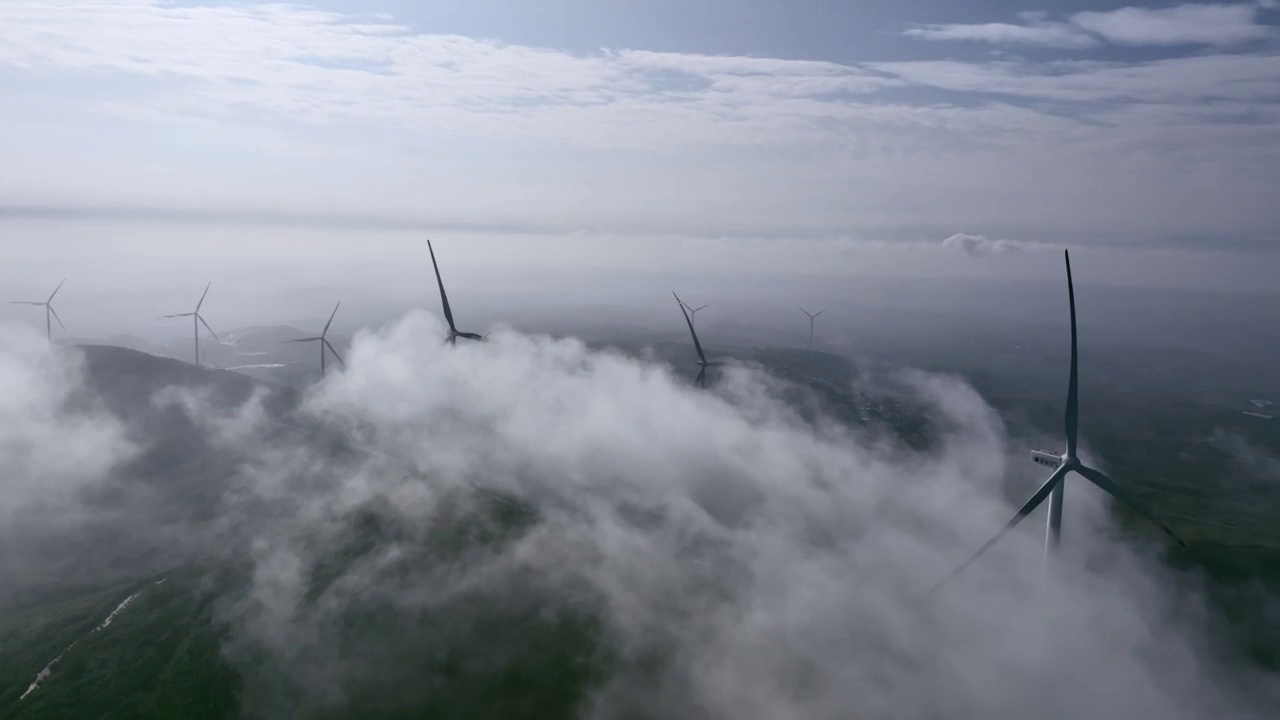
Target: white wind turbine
[1063,465]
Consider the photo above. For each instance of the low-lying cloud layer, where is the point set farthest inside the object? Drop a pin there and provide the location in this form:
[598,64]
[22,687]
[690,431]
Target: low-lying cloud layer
[737,558]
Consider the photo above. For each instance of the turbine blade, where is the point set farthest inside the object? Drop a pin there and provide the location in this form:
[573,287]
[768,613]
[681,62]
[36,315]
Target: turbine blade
[335,352]
[1107,484]
[178,315]
[301,340]
[55,290]
[202,296]
[206,327]
[697,345]
[1073,389]
[331,316]
[819,312]
[55,316]
[1027,508]
[701,380]
[444,299]
[806,312]
[26,302]
[704,307]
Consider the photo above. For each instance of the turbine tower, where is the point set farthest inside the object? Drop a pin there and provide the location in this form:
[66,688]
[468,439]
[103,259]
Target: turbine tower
[1063,465]
[701,380]
[812,317]
[49,313]
[196,321]
[454,333]
[323,340]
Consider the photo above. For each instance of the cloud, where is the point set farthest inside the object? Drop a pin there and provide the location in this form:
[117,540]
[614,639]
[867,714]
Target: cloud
[57,445]
[1187,24]
[977,245]
[1054,34]
[322,67]
[732,554]
[458,132]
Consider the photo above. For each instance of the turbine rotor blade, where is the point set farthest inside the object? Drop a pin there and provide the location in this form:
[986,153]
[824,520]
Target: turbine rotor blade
[26,302]
[331,316]
[444,299]
[704,307]
[1110,487]
[697,345]
[806,312]
[819,312]
[202,296]
[178,315]
[335,352]
[206,327]
[1073,387]
[301,340]
[55,316]
[701,380]
[55,290]
[1027,508]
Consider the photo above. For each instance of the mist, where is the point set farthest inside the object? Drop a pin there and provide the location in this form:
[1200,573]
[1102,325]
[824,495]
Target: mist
[728,554]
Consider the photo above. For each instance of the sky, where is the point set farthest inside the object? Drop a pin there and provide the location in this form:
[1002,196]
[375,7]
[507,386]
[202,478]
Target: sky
[977,129]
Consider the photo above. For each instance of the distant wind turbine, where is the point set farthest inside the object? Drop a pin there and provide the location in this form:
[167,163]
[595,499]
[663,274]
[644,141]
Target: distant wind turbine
[454,334]
[693,312]
[49,313]
[701,380]
[812,317]
[197,320]
[1063,465]
[323,340]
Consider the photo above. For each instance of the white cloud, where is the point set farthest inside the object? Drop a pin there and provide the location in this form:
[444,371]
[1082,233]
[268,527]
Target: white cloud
[1187,24]
[1055,34]
[326,67]
[452,130]
[56,445]
[737,559]
[980,245]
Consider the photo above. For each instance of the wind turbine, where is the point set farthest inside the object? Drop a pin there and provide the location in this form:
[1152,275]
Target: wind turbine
[197,320]
[1063,465]
[812,317]
[49,313]
[454,334]
[701,380]
[323,340]
[693,312]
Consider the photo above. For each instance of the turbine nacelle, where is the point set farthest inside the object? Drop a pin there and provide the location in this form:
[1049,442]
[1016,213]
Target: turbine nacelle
[1050,460]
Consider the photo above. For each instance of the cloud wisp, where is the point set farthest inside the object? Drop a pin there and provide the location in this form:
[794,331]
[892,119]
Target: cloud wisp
[1209,24]
[978,245]
[736,557]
